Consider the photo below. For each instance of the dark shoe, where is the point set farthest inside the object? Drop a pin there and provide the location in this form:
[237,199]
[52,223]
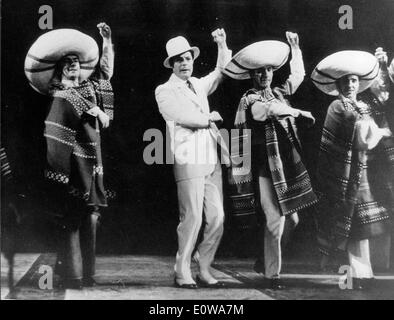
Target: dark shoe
[89,282]
[276,284]
[259,266]
[185,285]
[358,284]
[215,285]
[75,284]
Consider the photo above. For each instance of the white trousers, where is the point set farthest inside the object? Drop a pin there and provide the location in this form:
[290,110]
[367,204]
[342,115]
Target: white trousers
[359,258]
[275,223]
[197,196]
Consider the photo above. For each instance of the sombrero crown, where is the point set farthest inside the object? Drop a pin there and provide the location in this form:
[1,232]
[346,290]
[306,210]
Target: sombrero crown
[349,62]
[257,55]
[50,47]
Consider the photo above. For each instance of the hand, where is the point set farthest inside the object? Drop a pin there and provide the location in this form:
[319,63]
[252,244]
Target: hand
[104,119]
[294,219]
[308,116]
[105,30]
[215,116]
[381,55]
[386,133]
[219,36]
[292,39]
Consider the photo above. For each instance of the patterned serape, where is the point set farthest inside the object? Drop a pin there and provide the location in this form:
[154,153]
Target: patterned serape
[356,187]
[73,140]
[289,176]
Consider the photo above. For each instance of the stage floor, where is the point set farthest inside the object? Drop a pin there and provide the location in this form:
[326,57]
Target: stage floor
[142,277]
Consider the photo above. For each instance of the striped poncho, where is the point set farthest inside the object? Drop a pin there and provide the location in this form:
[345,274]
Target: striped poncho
[356,186]
[73,140]
[278,139]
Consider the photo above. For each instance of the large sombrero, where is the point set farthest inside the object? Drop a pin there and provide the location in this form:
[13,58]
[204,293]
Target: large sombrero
[49,48]
[342,63]
[255,56]
[391,70]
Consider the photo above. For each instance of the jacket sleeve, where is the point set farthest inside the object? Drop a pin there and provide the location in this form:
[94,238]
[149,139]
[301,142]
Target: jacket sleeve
[262,111]
[171,110]
[381,86]
[297,73]
[212,80]
[367,134]
[105,68]
[107,60]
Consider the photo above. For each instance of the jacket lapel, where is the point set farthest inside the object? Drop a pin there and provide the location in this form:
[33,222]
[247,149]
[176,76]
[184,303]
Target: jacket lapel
[181,86]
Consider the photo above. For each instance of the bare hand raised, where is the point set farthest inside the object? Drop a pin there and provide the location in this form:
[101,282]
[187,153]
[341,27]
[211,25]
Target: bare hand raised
[381,55]
[105,30]
[219,36]
[292,39]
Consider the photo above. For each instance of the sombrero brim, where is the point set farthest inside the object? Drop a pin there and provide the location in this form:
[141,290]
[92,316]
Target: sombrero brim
[49,48]
[255,56]
[349,62]
[391,70]
[196,53]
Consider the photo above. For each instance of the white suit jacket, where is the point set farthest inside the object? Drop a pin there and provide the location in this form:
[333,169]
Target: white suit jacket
[193,140]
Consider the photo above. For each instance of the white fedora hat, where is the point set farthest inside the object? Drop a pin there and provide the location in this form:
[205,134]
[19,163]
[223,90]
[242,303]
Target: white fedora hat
[177,46]
[255,56]
[49,48]
[348,62]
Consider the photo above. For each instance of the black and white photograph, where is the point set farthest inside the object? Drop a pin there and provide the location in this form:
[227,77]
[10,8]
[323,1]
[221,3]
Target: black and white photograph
[194,154]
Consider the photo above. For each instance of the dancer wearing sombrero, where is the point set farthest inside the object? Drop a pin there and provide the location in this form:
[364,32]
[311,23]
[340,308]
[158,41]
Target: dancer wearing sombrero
[356,163]
[277,178]
[62,64]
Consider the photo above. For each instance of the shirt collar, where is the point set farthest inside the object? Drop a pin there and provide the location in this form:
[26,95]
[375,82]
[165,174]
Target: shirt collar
[178,80]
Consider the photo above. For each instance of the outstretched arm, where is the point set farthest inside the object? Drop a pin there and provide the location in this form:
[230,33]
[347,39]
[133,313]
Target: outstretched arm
[368,134]
[107,57]
[297,69]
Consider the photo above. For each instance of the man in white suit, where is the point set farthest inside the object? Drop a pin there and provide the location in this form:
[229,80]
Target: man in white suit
[183,103]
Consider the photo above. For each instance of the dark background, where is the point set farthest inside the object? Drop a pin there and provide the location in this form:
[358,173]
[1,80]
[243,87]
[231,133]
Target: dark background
[144,216]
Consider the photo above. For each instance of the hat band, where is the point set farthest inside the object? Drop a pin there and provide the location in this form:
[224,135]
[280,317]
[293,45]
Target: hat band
[233,72]
[40,69]
[241,66]
[362,77]
[55,61]
[40,60]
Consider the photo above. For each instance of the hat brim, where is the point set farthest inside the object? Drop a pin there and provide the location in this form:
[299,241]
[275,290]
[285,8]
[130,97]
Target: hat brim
[348,62]
[196,53]
[50,47]
[255,56]
[391,70]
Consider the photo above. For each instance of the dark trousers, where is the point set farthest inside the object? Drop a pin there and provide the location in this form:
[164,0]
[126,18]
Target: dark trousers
[77,250]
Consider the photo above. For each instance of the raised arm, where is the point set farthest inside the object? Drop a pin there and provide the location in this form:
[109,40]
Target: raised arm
[381,86]
[297,70]
[211,81]
[107,57]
